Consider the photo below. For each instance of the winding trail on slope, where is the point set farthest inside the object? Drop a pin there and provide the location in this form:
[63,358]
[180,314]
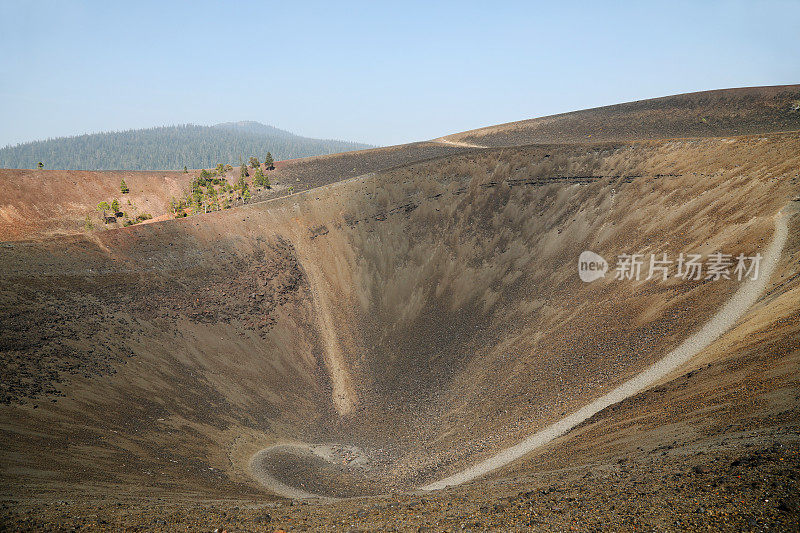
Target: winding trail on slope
[733,310]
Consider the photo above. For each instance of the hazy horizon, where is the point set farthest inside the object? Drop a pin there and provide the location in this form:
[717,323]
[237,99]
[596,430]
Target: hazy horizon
[368,73]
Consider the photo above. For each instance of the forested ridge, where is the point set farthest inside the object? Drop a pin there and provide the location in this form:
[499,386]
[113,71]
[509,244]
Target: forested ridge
[168,148]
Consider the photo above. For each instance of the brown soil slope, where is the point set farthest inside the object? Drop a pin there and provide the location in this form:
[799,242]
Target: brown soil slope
[209,337]
[717,113]
[325,169]
[425,316]
[37,204]
[41,203]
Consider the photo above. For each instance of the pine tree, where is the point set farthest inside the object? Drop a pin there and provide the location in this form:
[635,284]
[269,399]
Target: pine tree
[254,162]
[268,162]
[103,206]
[259,179]
[115,205]
[40,165]
[124,187]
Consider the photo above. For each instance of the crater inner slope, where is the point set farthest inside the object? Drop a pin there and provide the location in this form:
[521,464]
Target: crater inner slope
[426,316]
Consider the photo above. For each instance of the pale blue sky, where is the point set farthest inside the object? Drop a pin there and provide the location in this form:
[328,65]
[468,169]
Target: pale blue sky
[381,74]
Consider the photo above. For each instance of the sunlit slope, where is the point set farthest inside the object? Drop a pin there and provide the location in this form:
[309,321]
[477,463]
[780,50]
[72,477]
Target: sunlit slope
[42,203]
[743,111]
[428,315]
[36,204]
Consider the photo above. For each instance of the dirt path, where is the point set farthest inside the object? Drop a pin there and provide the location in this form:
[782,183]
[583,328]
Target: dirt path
[733,310]
[443,140]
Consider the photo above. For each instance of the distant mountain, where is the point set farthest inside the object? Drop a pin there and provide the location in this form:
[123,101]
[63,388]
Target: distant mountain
[169,148]
[255,128]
